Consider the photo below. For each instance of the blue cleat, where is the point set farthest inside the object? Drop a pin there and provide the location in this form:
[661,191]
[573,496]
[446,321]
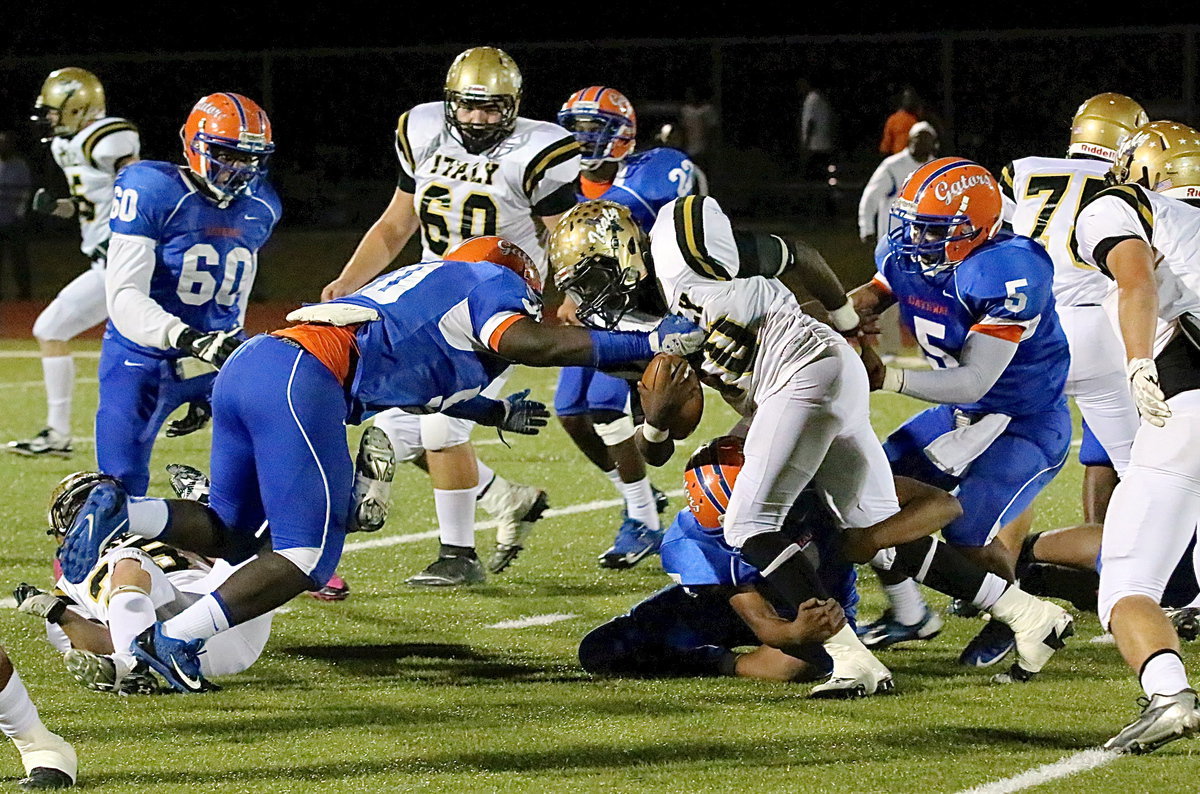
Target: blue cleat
[103,516]
[634,541]
[888,631]
[990,645]
[175,660]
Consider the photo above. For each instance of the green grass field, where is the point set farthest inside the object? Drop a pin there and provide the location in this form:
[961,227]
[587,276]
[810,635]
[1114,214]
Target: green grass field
[398,689]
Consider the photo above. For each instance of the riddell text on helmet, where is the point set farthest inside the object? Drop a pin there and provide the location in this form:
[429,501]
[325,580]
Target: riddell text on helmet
[948,191]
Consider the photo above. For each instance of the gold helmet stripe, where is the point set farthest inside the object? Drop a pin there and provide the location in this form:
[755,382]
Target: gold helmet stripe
[402,143]
[102,132]
[689,236]
[556,153]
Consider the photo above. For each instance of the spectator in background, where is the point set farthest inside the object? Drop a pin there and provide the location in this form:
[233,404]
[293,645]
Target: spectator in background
[885,183]
[698,120]
[15,186]
[895,129]
[816,130]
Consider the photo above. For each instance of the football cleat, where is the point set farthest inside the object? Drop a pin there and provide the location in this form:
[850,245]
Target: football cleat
[990,645]
[100,674]
[634,541]
[175,660]
[374,469]
[849,687]
[103,516]
[856,672]
[962,608]
[1186,621]
[1164,718]
[49,764]
[189,482]
[887,631]
[449,571]
[518,508]
[1040,628]
[336,589]
[49,442]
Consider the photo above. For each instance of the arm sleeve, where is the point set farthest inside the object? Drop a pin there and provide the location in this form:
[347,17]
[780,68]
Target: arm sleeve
[1113,215]
[761,254]
[879,186]
[131,262]
[406,180]
[480,409]
[982,363]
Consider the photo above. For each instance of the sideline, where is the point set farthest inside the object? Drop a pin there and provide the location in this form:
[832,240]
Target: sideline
[1071,765]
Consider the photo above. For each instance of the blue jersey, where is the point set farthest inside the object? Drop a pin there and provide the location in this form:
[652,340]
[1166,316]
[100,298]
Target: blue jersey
[206,256]
[1003,288]
[649,180]
[432,347]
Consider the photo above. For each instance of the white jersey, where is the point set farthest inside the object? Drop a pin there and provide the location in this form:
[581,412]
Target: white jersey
[875,204]
[758,337]
[178,570]
[88,161]
[459,195]
[1170,226]
[1042,196]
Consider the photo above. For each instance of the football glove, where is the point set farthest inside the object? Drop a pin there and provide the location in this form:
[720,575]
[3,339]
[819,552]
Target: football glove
[1143,382]
[211,347]
[677,336]
[43,202]
[38,603]
[523,416]
[197,416]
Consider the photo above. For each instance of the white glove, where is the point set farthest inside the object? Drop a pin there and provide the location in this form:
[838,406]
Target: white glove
[1143,382]
[677,336]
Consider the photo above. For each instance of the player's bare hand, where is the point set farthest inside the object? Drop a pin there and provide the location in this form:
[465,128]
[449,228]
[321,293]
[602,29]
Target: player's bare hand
[816,621]
[662,403]
[336,289]
[875,367]
[568,312]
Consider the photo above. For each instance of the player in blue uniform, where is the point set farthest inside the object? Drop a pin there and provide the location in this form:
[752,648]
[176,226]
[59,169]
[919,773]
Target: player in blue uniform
[280,406]
[182,260]
[593,407]
[979,302]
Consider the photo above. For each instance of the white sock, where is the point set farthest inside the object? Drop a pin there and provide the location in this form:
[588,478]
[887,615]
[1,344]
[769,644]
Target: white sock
[200,621]
[58,373]
[19,718]
[989,592]
[908,607]
[1163,674]
[615,478]
[639,502]
[147,516]
[456,516]
[129,614]
[486,476]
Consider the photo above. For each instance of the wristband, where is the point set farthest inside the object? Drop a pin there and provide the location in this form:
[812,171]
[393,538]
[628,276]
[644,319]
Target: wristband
[845,318]
[653,435]
[619,347]
[893,379]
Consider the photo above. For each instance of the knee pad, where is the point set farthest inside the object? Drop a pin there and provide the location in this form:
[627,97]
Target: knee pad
[439,432]
[884,559]
[615,432]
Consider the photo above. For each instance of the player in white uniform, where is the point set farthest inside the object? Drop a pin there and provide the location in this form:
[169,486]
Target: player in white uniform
[135,582]
[90,147]
[1042,195]
[469,166]
[1146,241]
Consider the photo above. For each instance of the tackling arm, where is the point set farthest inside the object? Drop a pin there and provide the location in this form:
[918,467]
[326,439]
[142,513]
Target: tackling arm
[924,510]
[815,621]
[382,243]
[984,358]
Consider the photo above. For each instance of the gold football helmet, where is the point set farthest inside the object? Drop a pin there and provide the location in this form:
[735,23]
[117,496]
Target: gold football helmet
[598,255]
[68,497]
[1163,156]
[482,79]
[1101,122]
[74,96]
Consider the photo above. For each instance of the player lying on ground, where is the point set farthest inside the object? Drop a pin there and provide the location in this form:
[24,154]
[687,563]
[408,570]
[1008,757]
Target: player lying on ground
[136,582]
[280,407]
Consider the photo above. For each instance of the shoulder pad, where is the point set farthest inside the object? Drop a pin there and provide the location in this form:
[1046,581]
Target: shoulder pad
[985,272]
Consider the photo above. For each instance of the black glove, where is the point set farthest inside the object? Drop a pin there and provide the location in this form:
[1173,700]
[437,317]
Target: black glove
[44,203]
[39,603]
[212,347]
[197,416]
[523,416]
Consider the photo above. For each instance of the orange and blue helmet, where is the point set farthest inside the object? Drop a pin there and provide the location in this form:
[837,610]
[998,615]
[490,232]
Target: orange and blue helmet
[708,479]
[227,142]
[945,210]
[498,251]
[603,122]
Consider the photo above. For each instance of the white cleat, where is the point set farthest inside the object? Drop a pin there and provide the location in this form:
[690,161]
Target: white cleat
[856,671]
[49,442]
[516,508]
[374,469]
[1040,629]
[49,763]
[1165,718]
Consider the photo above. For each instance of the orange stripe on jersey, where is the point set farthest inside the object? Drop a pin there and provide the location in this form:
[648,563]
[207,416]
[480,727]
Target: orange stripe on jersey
[494,339]
[593,190]
[1009,333]
[878,282]
[333,345]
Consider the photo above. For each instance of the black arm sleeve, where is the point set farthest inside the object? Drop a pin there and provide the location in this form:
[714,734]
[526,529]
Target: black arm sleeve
[557,202]
[406,183]
[761,254]
[1107,245]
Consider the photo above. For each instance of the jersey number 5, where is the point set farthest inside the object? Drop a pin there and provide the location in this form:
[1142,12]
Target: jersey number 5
[478,215]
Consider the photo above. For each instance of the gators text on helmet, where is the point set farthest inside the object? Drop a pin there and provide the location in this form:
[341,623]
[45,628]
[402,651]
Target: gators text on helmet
[227,142]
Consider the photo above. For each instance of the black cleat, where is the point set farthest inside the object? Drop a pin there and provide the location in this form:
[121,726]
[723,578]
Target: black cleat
[449,571]
[43,777]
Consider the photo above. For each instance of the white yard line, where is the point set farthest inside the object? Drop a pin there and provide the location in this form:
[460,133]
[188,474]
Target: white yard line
[36,354]
[29,384]
[535,620]
[1071,765]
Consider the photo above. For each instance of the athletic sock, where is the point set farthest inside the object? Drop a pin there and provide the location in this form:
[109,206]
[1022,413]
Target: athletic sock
[615,478]
[456,516]
[130,612]
[908,607]
[19,718]
[148,517]
[1163,674]
[58,373]
[200,621]
[937,565]
[486,477]
[639,502]
[784,566]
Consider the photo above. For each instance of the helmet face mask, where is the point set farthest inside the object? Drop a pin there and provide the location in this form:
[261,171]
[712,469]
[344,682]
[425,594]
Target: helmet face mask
[602,292]
[482,98]
[603,122]
[67,500]
[227,142]
[598,254]
[924,242]
[70,99]
[1162,156]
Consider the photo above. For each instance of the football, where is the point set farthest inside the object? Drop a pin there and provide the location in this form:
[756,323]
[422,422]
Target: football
[658,374]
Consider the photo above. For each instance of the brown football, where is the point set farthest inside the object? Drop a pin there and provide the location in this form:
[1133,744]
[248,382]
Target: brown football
[658,374]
